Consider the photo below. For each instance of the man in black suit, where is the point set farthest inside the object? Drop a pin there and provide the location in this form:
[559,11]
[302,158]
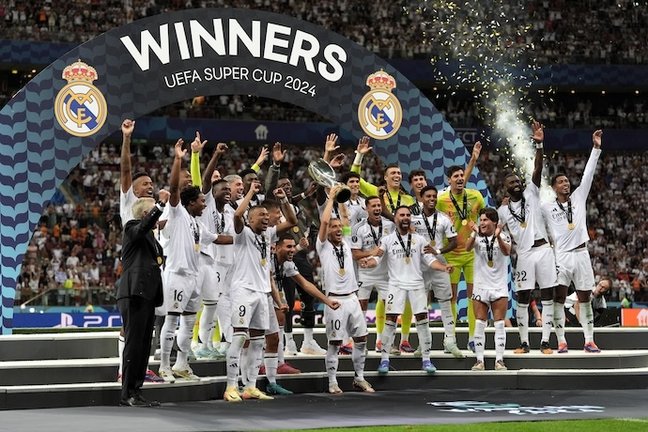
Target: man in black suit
[138,293]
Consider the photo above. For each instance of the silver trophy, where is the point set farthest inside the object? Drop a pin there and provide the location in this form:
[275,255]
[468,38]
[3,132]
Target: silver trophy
[324,175]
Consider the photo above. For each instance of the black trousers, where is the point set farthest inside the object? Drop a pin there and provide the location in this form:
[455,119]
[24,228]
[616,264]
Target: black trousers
[290,287]
[138,318]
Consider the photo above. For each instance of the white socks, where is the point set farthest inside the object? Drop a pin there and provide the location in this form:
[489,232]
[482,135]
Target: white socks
[234,357]
[480,339]
[547,319]
[255,357]
[500,340]
[425,337]
[166,339]
[332,363]
[586,318]
[387,338]
[358,356]
[448,322]
[308,336]
[271,363]
[206,324]
[522,316]
[559,322]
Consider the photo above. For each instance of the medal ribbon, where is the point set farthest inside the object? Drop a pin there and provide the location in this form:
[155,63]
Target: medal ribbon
[490,248]
[262,246]
[220,226]
[279,274]
[340,255]
[570,215]
[463,213]
[391,203]
[196,232]
[431,232]
[522,216]
[376,238]
[407,249]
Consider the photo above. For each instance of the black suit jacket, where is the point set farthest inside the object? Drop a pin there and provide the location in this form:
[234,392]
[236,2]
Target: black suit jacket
[141,253]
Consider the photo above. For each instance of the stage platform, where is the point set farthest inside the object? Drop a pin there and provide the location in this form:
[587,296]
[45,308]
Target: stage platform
[80,369]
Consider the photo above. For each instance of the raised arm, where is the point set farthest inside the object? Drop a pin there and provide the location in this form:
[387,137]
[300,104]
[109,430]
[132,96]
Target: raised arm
[366,188]
[196,150]
[174,187]
[263,156]
[538,139]
[125,180]
[590,167]
[326,214]
[220,150]
[239,221]
[330,146]
[272,176]
[287,210]
[472,162]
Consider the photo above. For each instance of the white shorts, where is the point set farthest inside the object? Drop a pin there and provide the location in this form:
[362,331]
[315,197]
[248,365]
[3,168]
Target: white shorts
[489,295]
[180,292]
[536,265]
[348,319]
[225,271]
[397,297]
[576,266]
[273,323]
[250,309]
[439,283]
[365,289]
[209,285]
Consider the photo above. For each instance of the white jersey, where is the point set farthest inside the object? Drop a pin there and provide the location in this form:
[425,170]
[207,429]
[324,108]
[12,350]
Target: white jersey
[487,277]
[126,201]
[366,237]
[566,239]
[252,264]
[440,225]
[225,252]
[186,234]
[357,210]
[286,270]
[337,279]
[524,237]
[218,223]
[162,235]
[403,272]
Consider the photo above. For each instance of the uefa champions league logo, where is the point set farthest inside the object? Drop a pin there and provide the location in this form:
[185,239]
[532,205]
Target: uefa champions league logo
[80,107]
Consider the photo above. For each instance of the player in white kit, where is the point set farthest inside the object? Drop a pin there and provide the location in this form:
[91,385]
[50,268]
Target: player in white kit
[566,217]
[439,232]
[365,239]
[181,293]
[490,290]
[250,291]
[535,263]
[404,253]
[340,283]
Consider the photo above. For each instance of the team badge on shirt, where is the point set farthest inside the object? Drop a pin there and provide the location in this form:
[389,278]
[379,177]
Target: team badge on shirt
[379,112]
[80,108]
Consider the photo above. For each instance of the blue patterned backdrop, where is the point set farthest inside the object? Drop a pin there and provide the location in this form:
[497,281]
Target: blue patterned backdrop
[36,154]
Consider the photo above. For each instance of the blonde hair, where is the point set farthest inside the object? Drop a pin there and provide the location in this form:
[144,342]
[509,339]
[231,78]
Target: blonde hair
[141,206]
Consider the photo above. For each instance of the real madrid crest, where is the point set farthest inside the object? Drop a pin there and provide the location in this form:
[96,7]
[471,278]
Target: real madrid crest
[380,113]
[80,108]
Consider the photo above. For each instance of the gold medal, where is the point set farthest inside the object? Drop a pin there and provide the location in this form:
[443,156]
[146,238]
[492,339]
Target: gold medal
[464,222]
[160,260]
[490,263]
[263,262]
[523,224]
[408,260]
[571,226]
[295,229]
[342,272]
[197,247]
[432,243]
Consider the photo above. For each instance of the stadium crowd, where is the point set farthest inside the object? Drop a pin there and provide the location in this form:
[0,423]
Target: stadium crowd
[589,31]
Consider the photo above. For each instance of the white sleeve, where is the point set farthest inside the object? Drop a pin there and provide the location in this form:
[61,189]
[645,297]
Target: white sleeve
[588,174]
